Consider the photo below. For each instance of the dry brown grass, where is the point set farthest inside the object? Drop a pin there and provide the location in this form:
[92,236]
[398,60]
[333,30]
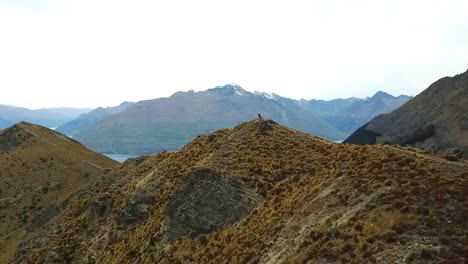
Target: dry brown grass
[45,168]
[320,202]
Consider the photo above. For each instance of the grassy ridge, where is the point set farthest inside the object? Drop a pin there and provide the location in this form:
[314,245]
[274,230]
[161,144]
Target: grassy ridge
[313,201]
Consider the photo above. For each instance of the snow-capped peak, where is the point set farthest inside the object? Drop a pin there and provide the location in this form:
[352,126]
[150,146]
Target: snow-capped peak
[270,96]
[230,89]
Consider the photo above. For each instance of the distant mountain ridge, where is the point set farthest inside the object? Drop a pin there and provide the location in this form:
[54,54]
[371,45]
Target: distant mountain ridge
[168,123]
[90,119]
[435,120]
[4,123]
[347,114]
[48,117]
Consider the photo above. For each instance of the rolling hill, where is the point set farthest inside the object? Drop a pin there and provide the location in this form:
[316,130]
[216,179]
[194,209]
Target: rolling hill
[168,123]
[39,167]
[434,120]
[264,193]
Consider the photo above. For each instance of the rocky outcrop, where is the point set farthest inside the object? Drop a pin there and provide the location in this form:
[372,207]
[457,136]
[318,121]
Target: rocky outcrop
[46,215]
[101,205]
[205,201]
[136,209]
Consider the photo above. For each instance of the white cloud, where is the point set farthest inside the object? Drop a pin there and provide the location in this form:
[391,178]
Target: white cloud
[92,53]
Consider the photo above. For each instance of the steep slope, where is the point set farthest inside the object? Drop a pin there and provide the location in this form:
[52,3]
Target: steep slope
[435,120]
[39,167]
[168,123]
[350,114]
[90,119]
[264,193]
[48,117]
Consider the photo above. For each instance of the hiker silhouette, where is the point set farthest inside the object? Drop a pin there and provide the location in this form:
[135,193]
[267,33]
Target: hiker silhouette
[260,116]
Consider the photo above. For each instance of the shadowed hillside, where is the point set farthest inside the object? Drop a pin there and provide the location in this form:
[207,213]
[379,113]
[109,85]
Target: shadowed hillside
[39,167]
[434,120]
[264,193]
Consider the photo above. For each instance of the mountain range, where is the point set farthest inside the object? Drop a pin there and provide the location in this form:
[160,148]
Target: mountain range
[162,124]
[48,117]
[256,193]
[435,120]
[349,114]
[90,119]
[168,123]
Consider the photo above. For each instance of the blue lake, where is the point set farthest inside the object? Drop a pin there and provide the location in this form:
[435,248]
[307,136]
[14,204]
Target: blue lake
[119,157]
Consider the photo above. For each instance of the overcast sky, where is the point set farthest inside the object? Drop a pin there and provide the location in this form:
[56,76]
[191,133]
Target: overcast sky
[89,53]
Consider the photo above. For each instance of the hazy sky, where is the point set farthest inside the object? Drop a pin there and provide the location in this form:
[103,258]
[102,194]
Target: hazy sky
[89,53]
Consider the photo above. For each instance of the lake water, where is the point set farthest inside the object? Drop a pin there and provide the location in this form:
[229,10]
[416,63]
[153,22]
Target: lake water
[119,157]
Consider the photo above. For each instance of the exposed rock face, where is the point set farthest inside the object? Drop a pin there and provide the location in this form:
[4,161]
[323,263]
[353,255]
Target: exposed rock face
[46,215]
[101,205]
[434,120]
[136,209]
[207,200]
